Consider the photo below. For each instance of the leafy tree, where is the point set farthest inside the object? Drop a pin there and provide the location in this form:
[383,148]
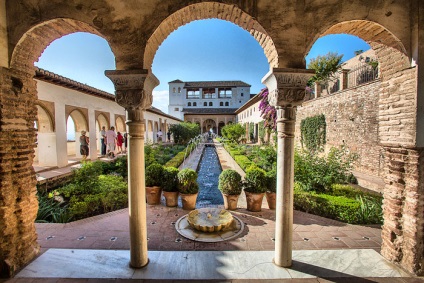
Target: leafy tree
[183,132]
[324,66]
[233,132]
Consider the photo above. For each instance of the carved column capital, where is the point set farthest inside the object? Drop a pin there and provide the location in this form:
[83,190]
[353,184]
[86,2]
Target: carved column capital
[287,86]
[133,88]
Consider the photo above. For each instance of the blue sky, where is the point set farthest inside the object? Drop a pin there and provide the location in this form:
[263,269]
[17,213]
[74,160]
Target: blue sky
[203,50]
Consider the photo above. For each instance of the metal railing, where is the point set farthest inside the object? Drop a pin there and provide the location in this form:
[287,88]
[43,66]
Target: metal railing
[362,74]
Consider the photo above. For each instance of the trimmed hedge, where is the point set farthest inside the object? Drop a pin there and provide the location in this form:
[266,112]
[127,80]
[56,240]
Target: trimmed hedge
[243,161]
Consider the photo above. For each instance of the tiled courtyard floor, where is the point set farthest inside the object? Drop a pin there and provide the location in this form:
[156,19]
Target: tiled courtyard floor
[111,231]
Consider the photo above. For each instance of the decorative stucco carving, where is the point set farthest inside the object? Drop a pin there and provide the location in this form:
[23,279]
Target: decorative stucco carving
[287,86]
[133,88]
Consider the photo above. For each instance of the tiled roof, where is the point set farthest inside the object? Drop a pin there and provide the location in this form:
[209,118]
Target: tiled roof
[253,100]
[216,84]
[206,111]
[47,76]
[176,81]
[204,84]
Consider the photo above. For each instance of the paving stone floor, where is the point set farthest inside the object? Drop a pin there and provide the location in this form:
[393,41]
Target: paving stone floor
[111,231]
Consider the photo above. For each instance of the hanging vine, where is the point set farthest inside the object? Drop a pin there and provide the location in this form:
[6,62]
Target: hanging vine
[313,133]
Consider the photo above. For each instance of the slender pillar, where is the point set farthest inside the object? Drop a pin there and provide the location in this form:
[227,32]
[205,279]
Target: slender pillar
[134,92]
[61,140]
[286,91]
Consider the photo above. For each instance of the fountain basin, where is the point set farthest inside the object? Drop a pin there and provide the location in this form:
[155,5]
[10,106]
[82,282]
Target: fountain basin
[209,219]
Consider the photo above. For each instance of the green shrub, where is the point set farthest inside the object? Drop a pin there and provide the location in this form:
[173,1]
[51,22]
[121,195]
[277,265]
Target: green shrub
[370,210]
[154,174]
[255,181]
[176,161]
[233,132]
[271,181]
[187,181]
[230,182]
[170,179]
[51,211]
[313,132]
[184,132]
[243,162]
[318,173]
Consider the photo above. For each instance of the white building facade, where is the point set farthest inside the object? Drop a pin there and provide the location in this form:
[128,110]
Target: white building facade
[195,97]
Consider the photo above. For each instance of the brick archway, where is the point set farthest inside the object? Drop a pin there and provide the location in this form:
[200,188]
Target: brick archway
[210,10]
[397,125]
[19,180]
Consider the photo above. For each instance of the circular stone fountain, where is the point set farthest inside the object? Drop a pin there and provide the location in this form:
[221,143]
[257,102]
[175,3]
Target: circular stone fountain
[209,225]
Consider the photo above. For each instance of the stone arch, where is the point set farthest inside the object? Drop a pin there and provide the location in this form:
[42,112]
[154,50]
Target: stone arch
[102,121]
[390,51]
[399,144]
[80,120]
[210,10]
[44,120]
[32,44]
[120,124]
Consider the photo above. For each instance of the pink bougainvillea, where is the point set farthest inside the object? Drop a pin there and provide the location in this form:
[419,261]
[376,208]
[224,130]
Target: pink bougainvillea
[268,112]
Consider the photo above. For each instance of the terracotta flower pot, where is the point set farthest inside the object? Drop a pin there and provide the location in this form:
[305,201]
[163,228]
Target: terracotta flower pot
[153,195]
[230,201]
[171,198]
[254,201]
[270,198]
[189,201]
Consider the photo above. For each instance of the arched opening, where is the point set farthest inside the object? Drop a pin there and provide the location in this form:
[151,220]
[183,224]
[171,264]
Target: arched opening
[102,124]
[376,139]
[120,125]
[149,131]
[77,122]
[220,125]
[209,125]
[211,10]
[46,139]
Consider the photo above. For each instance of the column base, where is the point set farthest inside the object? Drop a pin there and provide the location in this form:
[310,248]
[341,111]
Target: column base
[282,265]
[138,267]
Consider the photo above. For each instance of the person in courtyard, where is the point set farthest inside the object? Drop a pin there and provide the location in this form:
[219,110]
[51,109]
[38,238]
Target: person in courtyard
[111,140]
[84,142]
[169,136]
[119,142]
[103,141]
[159,135]
[125,142]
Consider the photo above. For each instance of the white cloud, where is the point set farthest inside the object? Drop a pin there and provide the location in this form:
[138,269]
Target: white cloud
[161,99]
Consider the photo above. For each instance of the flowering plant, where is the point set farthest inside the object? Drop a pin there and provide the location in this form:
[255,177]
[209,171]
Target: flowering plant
[268,112]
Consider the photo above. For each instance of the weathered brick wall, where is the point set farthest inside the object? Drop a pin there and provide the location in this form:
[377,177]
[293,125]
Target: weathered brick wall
[18,202]
[403,204]
[352,119]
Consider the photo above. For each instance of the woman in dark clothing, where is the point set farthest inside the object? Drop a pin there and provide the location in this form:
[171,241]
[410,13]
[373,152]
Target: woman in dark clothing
[84,141]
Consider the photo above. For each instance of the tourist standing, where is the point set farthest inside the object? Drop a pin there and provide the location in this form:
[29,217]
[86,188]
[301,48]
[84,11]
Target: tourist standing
[125,141]
[84,141]
[103,141]
[119,141]
[110,140]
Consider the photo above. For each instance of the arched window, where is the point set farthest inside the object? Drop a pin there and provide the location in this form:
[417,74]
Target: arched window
[227,103]
[179,90]
[173,90]
[189,104]
[210,104]
[194,103]
[205,103]
[221,103]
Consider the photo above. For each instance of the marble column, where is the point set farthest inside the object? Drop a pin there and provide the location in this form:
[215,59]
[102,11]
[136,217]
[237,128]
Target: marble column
[286,91]
[133,89]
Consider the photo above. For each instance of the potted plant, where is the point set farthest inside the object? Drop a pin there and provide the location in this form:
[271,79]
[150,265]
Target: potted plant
[154,175]
[188,188]
[271,188]
[254,187]
[229,184]
[170,186]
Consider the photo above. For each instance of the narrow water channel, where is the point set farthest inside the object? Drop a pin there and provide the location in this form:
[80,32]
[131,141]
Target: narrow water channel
[208,174]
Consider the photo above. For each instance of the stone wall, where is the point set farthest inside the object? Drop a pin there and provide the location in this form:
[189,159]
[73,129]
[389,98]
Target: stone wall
[18,203]
[403,204]
[352,119]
